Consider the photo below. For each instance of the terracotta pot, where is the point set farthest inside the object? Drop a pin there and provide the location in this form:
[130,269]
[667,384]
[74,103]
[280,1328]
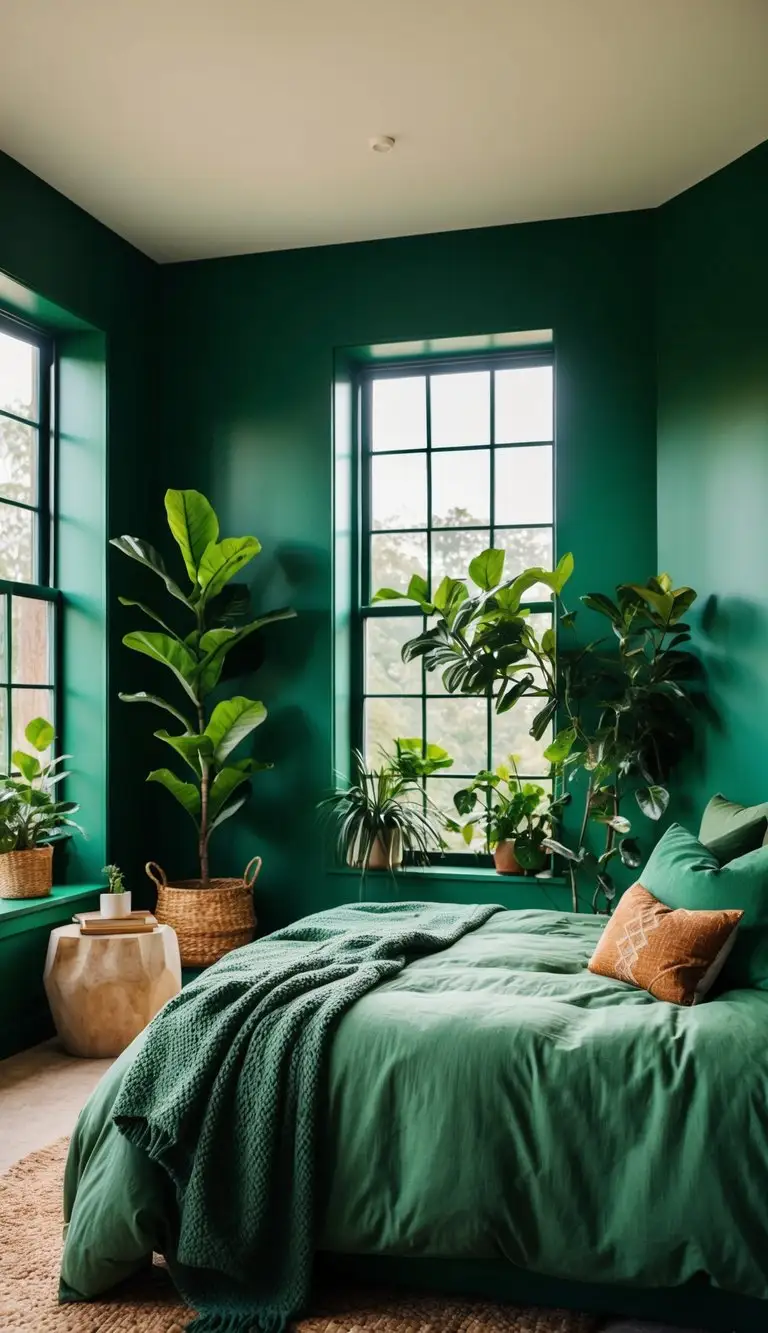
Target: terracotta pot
[380,853]
[505,860]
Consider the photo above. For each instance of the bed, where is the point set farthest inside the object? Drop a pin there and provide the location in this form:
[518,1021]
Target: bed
[495,1108]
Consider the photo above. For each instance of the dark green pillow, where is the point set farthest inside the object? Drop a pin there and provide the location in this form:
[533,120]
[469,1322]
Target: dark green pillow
[682,872]
[729,829]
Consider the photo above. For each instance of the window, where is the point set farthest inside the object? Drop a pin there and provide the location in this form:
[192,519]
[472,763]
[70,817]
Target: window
[28,602]
[455,457]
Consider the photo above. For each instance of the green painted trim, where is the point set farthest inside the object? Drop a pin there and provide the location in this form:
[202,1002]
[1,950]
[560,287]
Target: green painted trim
[20,914]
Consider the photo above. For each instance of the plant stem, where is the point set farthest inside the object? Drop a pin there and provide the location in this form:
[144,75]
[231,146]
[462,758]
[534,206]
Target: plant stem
[205,778]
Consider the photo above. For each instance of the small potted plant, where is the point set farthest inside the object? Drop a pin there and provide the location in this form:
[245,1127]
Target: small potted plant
[383,813]
[513,814]
[31,819]
[117,900]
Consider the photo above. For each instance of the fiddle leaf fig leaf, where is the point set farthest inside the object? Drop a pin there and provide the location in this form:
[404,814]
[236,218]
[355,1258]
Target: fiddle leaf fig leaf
[147,610]
[222,560]
[228,779]
[146,555]
[194,525]
[186,793]
[231,721]
[171,652]
[39,733]
[191,748]
[141,697]
[486,570]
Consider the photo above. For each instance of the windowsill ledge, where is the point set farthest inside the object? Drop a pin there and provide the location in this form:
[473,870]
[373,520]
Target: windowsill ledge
[452,872]
[19,914]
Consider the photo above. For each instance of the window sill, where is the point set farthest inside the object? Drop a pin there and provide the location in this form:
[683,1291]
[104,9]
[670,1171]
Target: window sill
[20,914]
[484,873]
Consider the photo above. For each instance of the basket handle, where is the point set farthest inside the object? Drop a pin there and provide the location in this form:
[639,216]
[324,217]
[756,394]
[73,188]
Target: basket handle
[255,861]
[156,874]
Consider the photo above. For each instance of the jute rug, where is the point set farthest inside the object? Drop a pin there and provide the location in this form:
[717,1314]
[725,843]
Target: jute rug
[30,1246]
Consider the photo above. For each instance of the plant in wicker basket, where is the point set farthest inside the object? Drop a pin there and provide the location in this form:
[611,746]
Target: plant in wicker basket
[31,819]
[205,737]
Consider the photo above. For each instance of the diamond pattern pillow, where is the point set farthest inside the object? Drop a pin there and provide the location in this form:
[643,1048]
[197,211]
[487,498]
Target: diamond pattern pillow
[673,953]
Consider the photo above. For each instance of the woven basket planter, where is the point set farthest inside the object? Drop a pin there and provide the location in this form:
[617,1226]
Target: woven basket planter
[209,921]
[26,874]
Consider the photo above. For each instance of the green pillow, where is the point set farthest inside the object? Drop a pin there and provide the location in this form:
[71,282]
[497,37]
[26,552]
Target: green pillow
[731,830]
[682,872]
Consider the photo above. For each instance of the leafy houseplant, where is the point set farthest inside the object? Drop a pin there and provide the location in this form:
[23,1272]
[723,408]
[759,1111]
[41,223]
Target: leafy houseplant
[381,815]
[116,901]
[31,819]
[513,814]
[218,621]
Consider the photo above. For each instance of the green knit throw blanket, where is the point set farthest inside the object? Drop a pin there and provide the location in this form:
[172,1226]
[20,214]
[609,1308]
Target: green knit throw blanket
[225,1096]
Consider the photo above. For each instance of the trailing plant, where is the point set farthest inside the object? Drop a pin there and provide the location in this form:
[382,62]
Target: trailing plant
[505,808]
[386,805]
[30,815]
[629,719]
[217,624]
[115,879]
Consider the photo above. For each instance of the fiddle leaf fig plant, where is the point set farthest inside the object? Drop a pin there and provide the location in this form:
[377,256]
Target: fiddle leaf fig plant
[195,657]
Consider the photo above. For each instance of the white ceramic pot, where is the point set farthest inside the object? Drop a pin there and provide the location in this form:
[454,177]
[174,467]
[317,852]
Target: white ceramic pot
[115,904]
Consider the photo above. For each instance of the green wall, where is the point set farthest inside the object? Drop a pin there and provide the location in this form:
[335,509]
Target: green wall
[248,349]
[712,339]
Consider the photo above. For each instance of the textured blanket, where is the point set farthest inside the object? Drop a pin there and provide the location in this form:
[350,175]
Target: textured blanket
[225,1095]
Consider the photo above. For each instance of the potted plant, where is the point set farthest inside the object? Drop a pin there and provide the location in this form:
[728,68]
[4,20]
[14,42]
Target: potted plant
[513,814]
[383,813]
[31,819]
[116,901]
[210,916]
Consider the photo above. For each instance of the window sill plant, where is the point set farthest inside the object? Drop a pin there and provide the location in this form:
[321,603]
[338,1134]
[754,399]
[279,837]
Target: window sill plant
[116,902]
[210,916]
[514,816]
[31,819]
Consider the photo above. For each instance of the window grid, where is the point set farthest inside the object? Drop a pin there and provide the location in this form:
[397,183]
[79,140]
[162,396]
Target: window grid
[366,531]
[23,693]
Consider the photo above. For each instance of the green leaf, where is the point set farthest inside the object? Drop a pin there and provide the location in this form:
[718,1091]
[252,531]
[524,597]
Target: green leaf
[561,746]
[683,600]
[653,801]
[191,748]
[597,601]
[216,643]
[171,652]
[231,721]
[561,573]
[186,793]
[227,781]
[465,801]
[543,719]
[147,610]
[194,525]
[146,555]
[222,560]
[486,569]
[660,602]
[629,851]
[141,697]
[512,690]
[617,822]
[27,764]
[389,595]
[560,849]
[449,597]
[39,733]
[228,811]
[548,641]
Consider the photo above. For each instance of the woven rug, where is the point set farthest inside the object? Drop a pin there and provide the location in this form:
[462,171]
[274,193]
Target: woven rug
[30,1245]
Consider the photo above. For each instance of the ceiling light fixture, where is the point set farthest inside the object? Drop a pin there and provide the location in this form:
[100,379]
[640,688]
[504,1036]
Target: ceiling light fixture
[381,143]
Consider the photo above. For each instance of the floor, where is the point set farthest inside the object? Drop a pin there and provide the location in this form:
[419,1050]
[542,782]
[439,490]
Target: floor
[42,1092]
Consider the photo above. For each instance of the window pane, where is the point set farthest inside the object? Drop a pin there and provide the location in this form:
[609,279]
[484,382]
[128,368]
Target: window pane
[399,413]
[395,557]
[453,550]
[18,376]
[17,544]
[510,736]
[524,485]
[441,791]
[461,488]
[4,756]
[460,409]
[399,491]
[385,720]
[459,725]
[385,670]
[25,705]
[3,644]
[18,461]
[31,639]
[526,547]
[524,404]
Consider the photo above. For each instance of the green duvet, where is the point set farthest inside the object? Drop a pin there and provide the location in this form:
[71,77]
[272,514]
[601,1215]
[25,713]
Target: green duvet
[497,1100]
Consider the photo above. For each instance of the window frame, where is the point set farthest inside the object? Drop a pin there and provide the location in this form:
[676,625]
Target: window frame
[362,528]
[43,589]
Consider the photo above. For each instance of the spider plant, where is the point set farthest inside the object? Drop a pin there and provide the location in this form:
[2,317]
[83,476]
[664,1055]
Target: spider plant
[383,813]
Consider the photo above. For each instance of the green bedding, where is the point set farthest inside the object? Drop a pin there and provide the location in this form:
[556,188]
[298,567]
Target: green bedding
[497,1100]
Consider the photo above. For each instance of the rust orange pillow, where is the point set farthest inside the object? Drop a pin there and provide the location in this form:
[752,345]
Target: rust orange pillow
[672,953]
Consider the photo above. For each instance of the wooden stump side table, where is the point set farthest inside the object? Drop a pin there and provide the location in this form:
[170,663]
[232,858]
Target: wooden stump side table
[104,989]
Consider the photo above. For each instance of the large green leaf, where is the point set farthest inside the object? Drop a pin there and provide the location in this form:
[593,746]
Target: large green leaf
[146,555]
[231,721]
[27,764]
[186,793]
[227,811]
[39,733]
[141,697]
[228,779]
[486,569]
[222,560]
[147,610]
[561,746]
[597,601]
[171,652]
[194,525]
[653,801]
[449,596]
[191,748]
[512,690]
[216,643]
[543,719]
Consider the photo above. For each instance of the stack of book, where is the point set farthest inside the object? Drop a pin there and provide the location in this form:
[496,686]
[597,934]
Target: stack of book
[137,923]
